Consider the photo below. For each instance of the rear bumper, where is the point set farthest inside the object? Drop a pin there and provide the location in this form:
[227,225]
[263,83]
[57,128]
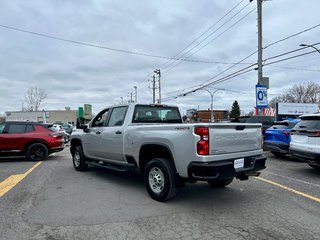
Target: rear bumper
[310,157]
[276,147]
[225,169]
[57,149]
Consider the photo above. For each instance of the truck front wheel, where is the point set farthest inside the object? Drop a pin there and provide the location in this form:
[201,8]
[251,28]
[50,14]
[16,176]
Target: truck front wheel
[78,159]
[220,183]
[159,177]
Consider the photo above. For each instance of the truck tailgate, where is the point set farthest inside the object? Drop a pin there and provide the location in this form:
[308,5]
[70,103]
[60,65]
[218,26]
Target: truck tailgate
[234,137]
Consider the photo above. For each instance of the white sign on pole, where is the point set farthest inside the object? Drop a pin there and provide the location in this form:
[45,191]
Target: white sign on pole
[261,96]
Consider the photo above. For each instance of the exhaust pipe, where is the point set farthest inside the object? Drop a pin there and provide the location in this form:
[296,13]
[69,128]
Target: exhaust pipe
[243,177]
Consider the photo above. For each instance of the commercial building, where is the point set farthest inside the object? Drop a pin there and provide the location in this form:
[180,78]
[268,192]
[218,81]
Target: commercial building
[205,115]
[50,116]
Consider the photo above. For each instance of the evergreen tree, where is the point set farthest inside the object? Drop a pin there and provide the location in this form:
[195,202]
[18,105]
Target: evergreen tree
[235,110]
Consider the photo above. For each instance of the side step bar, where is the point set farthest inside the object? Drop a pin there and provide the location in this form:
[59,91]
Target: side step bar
[118,168]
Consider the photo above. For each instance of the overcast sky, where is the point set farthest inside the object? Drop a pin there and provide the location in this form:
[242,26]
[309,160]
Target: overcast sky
[112,46]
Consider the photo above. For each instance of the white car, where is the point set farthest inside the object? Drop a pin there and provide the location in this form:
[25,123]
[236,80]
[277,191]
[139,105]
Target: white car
[60,129]
[305,140]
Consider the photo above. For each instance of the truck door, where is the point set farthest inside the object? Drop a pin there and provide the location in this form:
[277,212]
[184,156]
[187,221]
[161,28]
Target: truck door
[112,136]
[92,136]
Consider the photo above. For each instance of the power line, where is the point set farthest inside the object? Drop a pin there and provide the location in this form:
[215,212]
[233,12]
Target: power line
[299,69]
[286,53]
[239,72]
[268,64]
[293,35]
[288,58]
[172,65]
[230,76]
[203,33]
[108,48]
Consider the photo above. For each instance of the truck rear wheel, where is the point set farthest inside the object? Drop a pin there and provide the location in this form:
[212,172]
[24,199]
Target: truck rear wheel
[220,183]
[159,177]
[78,159]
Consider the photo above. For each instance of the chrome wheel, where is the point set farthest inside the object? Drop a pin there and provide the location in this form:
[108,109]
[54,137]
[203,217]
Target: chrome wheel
[156,180]
[76,158]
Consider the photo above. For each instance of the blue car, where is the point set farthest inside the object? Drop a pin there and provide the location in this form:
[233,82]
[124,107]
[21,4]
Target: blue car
[277,137]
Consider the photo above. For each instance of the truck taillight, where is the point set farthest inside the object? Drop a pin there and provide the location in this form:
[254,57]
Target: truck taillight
[203,143]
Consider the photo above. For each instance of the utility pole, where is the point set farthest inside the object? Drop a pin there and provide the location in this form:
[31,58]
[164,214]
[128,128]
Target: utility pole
[131,101]
[135,94]
[259,9]
[154,89]
[158,72]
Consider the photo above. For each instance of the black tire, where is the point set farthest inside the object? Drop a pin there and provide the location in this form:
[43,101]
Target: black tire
[78,159]
[220,183]
[314,167]
[278,154]
[37,152]
[159,177]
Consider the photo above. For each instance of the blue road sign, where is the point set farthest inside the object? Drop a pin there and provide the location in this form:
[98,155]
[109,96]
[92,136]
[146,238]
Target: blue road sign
[261,96]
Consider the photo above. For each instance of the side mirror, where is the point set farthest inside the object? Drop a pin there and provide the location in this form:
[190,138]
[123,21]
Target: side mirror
[85,128]
[80,123]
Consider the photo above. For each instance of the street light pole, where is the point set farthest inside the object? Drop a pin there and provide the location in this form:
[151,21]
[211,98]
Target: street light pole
[308,45]
[312,46]
[211,107]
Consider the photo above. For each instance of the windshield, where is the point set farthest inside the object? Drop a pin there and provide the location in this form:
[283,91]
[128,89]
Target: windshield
[156,114]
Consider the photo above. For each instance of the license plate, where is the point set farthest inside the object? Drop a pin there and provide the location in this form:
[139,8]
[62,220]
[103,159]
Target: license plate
[239,163]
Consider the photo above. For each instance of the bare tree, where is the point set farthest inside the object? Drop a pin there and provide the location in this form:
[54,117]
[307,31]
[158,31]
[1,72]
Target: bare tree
[299,93]
[34,98]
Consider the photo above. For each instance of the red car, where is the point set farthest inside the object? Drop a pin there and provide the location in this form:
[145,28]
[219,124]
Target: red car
[33,140]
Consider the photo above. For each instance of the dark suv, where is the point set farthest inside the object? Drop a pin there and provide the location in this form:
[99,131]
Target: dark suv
[33,140]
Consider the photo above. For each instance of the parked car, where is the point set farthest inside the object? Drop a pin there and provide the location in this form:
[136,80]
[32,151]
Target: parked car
[33,140]
[277,137]
[305,140]
[59,127]
[67,127]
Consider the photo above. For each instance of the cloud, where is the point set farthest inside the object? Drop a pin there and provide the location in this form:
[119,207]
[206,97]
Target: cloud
[74,74]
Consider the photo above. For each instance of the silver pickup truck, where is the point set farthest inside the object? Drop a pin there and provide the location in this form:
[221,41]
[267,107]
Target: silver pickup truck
[168,152]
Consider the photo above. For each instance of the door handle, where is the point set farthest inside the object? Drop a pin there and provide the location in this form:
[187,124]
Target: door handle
[98,132]
[118,132]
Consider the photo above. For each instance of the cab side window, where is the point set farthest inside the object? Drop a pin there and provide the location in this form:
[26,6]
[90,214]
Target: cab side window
[100,119]
[117,116]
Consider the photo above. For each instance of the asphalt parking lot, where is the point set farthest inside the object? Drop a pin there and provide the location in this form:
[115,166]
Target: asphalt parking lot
[52,201]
